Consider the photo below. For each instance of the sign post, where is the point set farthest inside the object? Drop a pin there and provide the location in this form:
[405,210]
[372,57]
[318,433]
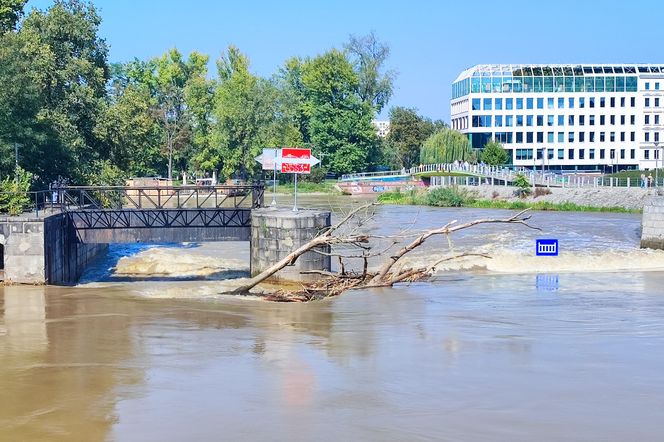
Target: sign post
[296,161]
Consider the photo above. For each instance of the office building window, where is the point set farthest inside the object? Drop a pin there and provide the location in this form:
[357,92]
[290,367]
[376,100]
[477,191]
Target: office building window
[656,102]
[499,104]
[508,120]
[647,86]
[622,154]
[582,120]
[570,103]
[487,104]
[582,102]
[540,103]
[632,102]
[498,121]
[646,154]
[591,154]
[591,120]
[632,154]
[612,137]
[529,137]
[570,120]
[540,137]
[613,101]
[582,137]
[622,136]
[561,137]
[657,119]
[540,120]
[591,102]
[646,119]
[582,154]
[602,137]
[549,137]
[549,103]
[647,102]
[622,120]
[622,101]
[591,137]
[529,103]
[561,120]
[549,120]
[602,120]
[632,119]
[601,154]
[561,103]
[519,137]
[570,154]
[561,154]
[476,104]
[613,120]
[632,136]
[570,137]
[509,102]
[647,136]
[519,103]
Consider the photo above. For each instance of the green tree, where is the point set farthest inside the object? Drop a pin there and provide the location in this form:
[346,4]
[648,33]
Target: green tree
[339,122]
[446,146]
[408,131]
[246,117]
[368,55]
[53,73]
[10,13]
[493,154]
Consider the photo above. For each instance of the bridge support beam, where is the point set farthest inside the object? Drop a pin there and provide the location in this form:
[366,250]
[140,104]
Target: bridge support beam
[275,233]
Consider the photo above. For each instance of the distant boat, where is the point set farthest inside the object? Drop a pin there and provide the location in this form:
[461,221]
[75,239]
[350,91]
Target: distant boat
[377,182]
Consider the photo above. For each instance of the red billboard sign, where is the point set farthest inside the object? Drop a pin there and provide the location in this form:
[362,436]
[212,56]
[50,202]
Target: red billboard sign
[295,160]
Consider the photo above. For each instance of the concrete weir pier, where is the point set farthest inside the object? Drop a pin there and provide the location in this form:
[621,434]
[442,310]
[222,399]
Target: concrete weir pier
[43,250]
[652,223]
[275,233]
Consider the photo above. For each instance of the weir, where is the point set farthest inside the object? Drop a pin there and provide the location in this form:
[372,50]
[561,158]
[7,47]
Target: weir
[79,222]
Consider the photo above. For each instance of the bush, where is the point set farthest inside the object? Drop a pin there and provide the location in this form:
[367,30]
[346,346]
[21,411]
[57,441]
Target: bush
[523,186]
[541,191]
[14,198]
[449,197]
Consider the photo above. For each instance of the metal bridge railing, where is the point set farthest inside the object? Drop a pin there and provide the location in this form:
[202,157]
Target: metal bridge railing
[158,197]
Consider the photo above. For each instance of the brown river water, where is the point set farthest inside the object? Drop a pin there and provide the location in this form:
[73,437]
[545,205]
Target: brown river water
[515,348]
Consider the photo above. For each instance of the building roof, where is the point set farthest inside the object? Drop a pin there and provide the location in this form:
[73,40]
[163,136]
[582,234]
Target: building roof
[538,70]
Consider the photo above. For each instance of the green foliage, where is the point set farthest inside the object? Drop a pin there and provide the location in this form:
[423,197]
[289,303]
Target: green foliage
[408,131]
[10,13]
[339,122]
[368,55]
[446,146]
[493,154]
[412,197]
[452,196]
[14,198]
[523,186]
[317,175]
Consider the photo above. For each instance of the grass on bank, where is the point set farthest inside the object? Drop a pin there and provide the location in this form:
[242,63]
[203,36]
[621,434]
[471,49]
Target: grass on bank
[459,197]
[326,186]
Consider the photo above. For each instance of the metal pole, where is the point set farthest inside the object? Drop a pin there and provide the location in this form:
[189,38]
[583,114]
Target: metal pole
[656,143]
[295,200]
[274,180]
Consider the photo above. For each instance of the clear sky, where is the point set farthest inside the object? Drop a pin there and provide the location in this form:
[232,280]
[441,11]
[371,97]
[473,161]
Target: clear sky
[431,41]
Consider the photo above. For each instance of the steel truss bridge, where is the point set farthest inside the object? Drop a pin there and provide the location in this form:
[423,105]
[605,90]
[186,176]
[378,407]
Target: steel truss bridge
[159,214]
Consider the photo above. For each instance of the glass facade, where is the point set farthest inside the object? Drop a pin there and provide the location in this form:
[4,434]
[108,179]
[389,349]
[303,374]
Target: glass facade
[548,79]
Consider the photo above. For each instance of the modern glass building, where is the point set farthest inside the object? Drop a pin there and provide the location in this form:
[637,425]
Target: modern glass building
[565,117]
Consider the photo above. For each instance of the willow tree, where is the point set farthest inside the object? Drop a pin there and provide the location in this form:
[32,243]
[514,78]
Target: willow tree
[446,146]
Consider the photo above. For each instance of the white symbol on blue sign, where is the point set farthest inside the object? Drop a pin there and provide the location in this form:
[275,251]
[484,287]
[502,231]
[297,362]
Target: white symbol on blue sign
[546,247]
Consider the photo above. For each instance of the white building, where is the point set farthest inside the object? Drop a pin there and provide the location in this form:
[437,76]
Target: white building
[382,127]
[565,117]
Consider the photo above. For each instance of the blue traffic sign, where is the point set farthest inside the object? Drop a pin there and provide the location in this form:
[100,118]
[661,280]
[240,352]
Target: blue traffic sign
[546,247]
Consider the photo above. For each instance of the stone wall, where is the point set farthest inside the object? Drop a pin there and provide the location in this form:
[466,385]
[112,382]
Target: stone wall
[652,223]
[43,250]
[275,233]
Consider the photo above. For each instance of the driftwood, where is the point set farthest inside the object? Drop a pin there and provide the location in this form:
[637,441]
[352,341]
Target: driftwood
[344,233]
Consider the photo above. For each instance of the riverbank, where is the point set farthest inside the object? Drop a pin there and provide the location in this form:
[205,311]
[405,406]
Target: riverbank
[600,199]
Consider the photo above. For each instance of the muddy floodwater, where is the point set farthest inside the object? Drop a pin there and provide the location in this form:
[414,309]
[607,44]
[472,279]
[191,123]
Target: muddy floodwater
[512,348]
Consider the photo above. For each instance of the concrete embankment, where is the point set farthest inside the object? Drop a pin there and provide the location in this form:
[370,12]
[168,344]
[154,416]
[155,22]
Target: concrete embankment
[629,198]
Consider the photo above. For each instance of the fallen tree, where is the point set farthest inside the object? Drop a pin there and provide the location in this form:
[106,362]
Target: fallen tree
[349,232]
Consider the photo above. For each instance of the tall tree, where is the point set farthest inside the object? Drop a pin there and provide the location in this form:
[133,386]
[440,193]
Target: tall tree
[64,75]
[339,121]
[10,13]
[408,131]
[245,115]
[368,56]
[446,146]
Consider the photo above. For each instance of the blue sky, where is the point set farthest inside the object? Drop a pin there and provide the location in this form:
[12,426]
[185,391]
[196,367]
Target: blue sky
[431,41]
